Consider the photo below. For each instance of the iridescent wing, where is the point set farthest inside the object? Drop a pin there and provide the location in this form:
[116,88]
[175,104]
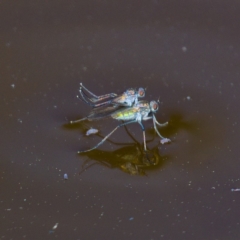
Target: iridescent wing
[104,111]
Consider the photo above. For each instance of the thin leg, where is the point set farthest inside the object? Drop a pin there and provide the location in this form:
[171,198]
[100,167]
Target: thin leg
[130,135]
[104,139]
[97,98]
[144,141]
[87,100]
[144,136]
[155,127]
[160,124]
[103,104]
[79,120]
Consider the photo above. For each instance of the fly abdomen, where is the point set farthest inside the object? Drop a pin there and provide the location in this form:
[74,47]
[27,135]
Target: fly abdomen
[126,115]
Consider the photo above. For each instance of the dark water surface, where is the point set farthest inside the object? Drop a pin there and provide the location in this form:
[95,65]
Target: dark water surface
[185,52]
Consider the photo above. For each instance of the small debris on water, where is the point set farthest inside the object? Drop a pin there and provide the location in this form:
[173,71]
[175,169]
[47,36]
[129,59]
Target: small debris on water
[65,176]
[91,131]
[165,140]
[131,218]
[55,226]
[188,98]
[184,49]
[235,190]
[13,85]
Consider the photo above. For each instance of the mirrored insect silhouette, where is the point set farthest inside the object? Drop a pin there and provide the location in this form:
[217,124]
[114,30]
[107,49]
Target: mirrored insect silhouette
[131,158]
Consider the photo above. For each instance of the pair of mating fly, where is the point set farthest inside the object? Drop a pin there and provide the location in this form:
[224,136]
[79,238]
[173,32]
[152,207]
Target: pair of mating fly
[125,107]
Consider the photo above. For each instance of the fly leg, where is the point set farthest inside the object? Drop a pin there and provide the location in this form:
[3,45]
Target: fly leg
[155,127]
[104,139]
[160,124]
[79,120]
[144,136]
[147,154]
[164,140]
[95,97]
[88,101]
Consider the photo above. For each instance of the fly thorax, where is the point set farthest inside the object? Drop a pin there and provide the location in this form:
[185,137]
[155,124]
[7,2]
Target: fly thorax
[129,101]
[135,99]
[145,114]
[138,117]
[130,92]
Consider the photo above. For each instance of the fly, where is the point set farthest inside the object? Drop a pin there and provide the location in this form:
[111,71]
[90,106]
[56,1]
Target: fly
[126,99]
[140,111]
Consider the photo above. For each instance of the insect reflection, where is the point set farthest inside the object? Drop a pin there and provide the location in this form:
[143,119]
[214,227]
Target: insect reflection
[131,159]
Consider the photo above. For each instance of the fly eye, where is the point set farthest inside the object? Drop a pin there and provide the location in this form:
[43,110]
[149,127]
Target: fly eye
[154,106]
[141,92]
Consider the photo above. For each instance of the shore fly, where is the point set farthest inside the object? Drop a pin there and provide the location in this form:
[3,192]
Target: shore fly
[140,111]
[126,99]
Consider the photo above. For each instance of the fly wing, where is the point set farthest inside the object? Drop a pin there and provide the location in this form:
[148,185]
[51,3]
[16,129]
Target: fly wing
[103,112]
[126,99]
[122,100]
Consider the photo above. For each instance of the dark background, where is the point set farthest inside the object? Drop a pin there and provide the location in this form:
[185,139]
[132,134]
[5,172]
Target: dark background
[185,52]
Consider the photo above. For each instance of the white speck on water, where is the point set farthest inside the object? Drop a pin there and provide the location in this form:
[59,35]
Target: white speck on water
[91,131]
[131,218]
[55,226]
[19,120]
[235,190]
[184,49]
[188,98]
[165,140]
[13,85]
[65,176]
